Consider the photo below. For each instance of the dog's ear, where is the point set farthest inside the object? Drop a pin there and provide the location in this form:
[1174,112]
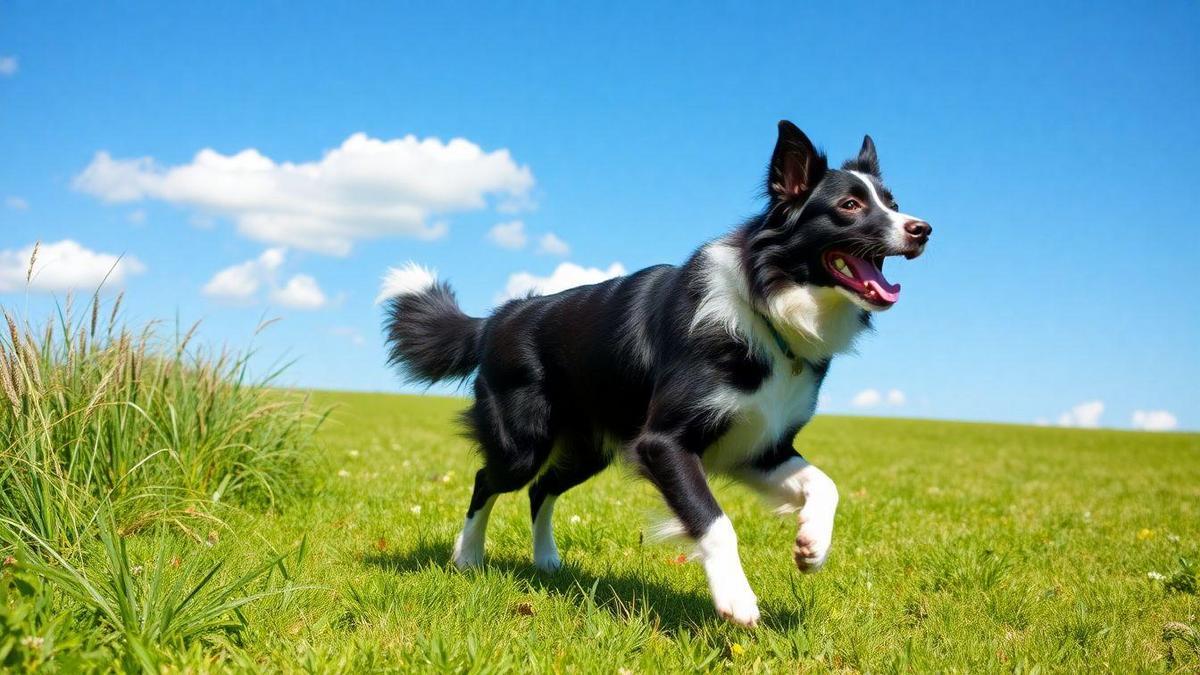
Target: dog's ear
[796,166]
[867,161]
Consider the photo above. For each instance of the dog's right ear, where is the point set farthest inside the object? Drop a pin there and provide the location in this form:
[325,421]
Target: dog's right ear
[796,167]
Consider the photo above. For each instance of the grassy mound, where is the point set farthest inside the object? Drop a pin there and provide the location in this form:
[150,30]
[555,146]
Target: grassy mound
[111,439]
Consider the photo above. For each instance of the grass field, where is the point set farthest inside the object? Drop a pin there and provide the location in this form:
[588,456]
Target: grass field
[960,547]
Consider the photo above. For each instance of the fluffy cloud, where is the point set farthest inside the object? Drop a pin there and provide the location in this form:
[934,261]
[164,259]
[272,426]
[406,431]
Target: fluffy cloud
[566,275]
[8,66]
[364,188]
[1086,414]
[16,203]
[241,283]
[1154,420]
[869,398]
[64,266]
[300,292]
[551,244]
[510,235]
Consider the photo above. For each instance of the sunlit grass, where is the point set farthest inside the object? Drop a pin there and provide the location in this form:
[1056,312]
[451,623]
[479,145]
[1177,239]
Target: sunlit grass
[122,455]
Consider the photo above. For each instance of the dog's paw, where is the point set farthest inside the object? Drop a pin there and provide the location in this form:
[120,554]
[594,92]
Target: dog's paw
[740,608]
[811,548]
[466,557]
[549,563]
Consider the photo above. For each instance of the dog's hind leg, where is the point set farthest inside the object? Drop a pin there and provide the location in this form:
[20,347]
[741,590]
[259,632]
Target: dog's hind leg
[575,463]
[513,450]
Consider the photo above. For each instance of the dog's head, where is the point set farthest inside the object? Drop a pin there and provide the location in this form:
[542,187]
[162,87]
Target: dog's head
[830,228]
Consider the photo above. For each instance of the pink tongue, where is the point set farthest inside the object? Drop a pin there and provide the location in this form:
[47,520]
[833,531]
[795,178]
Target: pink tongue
[873,278]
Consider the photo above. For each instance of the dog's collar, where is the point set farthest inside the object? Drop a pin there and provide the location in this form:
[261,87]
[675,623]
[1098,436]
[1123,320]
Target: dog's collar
[798,362]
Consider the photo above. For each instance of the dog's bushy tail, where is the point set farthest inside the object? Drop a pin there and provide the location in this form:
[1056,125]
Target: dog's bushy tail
[428,336]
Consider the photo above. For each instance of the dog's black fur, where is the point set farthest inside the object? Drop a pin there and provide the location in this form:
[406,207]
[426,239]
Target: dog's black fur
[623,363]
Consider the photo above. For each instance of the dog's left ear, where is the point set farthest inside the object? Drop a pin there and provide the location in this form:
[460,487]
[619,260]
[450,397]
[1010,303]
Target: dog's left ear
[867,161]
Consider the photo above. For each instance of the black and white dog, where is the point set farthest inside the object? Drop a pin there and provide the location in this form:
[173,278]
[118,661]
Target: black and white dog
[711,367]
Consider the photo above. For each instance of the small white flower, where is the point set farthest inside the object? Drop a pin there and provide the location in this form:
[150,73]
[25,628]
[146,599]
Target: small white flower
[354,453]
[1173,538]
[32,642]
[1087,515]
[1155,576]
[135,570]
[343,474]
[575,520]
[415,509]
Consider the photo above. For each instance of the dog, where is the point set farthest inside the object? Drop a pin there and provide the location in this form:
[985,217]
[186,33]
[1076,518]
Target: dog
[711,367]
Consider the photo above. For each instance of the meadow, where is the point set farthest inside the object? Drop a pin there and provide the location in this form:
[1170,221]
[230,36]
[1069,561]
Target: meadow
[160,513]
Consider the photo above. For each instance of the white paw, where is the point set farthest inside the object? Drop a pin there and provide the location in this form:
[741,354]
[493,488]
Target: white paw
[468,556]
[812,546]
[548,562]
[740,607]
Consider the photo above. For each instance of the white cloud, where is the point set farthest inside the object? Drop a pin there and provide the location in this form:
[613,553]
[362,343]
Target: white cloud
[137,217]
[16,203]
[1154,420]
[1086,414]
[8,66]
[870,398]
[867,398]
[240,282]
[566,275]
[300,292]
[550,243]
[510,235]
[364,188]
[64,266]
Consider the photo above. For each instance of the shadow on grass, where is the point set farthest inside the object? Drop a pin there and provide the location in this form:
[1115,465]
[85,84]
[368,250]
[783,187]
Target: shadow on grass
[616,593]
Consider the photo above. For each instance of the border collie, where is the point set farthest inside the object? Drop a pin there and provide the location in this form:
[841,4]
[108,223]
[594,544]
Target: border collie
[710,367]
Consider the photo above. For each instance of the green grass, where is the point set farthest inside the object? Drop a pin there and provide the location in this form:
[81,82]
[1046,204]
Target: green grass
[959,547]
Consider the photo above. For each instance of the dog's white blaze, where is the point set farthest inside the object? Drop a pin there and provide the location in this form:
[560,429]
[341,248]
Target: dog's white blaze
[545,551]
[898,235]
[408,279]
[731,592]
[468,547]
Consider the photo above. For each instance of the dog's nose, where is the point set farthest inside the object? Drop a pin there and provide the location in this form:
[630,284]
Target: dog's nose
[918,229]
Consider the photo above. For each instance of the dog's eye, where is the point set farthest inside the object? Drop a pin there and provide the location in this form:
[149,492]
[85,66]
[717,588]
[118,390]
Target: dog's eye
[850,205]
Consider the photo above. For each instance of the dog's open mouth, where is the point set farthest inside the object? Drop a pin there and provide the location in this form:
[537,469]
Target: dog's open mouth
[864,277]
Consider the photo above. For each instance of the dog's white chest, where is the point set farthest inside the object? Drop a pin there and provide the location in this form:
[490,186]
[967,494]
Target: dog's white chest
[785,401]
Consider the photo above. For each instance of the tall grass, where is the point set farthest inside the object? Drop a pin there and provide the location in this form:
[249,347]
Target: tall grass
[108,432]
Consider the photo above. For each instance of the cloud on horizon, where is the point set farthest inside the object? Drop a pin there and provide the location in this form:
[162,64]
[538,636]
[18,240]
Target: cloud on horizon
[1084,415]
[1154,420]
[64,266]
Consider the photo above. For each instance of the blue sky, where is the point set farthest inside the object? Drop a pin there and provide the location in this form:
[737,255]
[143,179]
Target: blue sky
[1053,149]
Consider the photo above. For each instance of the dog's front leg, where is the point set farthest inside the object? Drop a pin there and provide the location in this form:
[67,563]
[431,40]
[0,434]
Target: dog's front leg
[790,479]
[680,477]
